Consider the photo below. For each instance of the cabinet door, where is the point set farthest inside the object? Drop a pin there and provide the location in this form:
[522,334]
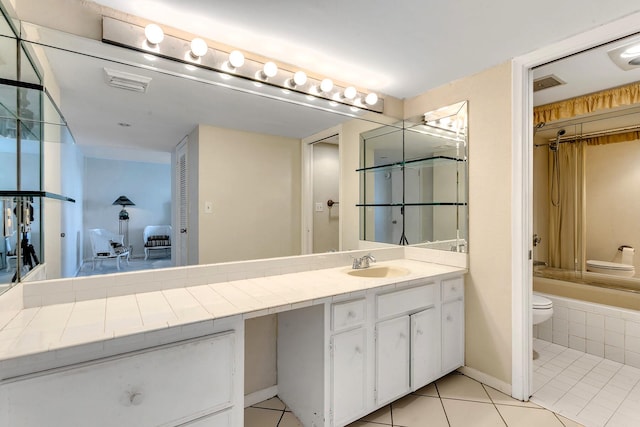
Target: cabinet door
[157,387]
[392,359]
[425,347]
[452,335]
[348,376]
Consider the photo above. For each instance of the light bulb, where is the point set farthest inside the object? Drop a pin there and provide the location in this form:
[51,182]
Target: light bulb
[236,59]
[270,69]
[299,78]
[371,99]
[350,92]
[198,47]
[154,34]
[326,85]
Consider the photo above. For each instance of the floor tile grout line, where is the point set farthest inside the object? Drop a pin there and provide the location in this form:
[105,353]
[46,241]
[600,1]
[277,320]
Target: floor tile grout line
[435,384]
[280,420]
[601,388]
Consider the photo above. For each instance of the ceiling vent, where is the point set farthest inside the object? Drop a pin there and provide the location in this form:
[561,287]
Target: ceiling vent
[546,82]
[128,81]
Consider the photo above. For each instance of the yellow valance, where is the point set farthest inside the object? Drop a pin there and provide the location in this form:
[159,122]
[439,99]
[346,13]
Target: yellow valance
[612,138]
[604,100]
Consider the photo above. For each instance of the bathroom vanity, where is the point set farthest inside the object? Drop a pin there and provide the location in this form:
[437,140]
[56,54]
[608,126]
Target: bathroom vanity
[347,344]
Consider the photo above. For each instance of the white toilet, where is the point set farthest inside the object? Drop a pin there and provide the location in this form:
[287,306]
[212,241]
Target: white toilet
[542,308]
[611,268]
[624,268]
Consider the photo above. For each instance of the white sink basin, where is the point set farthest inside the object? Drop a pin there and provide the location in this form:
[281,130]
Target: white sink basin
[377,272]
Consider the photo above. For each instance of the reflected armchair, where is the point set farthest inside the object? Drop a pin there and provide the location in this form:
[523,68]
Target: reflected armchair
[107,245]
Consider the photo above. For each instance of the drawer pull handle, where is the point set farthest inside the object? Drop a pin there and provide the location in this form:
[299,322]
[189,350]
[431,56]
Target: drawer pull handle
[453,289]
[419,332]
[351,314]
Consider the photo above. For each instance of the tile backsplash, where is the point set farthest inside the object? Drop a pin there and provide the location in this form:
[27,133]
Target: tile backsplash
[601,330]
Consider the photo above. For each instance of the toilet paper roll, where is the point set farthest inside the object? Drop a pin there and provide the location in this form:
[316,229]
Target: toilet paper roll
[627,256]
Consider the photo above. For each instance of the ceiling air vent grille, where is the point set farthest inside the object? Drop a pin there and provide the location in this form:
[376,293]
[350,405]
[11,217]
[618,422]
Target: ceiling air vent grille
[546,82]
[128,81]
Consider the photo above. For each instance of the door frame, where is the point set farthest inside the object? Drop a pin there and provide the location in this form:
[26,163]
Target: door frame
[306,223]
[522,186]
[177,248]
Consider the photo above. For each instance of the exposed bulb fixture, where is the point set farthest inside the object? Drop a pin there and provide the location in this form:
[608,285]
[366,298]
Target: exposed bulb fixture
[350,92]
[326,85]
[299,78]
[270,69]
[154,34]
[236,59]
[371,99]
[198,47]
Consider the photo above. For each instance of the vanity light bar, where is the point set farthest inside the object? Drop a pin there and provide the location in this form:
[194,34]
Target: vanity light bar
[233,63]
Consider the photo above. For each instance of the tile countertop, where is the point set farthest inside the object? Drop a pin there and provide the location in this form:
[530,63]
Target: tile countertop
[96,328]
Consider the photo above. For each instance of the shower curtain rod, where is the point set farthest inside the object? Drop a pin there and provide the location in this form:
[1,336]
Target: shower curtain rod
[589,135]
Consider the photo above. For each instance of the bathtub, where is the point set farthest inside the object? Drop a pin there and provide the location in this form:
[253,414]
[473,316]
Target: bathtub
[593,319]
[604,289]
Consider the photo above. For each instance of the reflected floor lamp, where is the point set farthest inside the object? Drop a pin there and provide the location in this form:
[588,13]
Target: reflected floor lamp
[123,217]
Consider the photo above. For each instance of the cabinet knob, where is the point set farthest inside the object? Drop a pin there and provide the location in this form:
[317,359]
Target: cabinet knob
[449,318]
[358,350]
[402,336]
[419,332]
[351,314]
[453,289]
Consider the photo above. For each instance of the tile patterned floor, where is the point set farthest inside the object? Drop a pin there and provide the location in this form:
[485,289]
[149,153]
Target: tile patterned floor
[589,389]
[453,401]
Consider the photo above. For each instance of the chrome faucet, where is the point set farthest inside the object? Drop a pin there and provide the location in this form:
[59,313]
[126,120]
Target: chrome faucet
[363,262]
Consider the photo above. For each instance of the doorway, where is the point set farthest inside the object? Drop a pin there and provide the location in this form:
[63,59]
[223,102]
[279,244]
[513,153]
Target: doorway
[522,177]
[321,193]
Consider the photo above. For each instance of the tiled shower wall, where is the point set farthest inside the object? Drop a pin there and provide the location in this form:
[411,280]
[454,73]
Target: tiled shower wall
[601,330]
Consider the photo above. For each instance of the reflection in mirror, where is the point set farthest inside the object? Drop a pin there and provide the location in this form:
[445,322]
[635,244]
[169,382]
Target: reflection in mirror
[244,152]
[413,181]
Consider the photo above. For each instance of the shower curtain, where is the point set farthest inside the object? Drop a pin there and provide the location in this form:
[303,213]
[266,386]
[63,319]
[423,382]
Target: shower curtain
[566,217]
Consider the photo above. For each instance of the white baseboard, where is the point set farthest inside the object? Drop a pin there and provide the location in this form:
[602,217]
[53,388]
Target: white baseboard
[486,379]
[260,395]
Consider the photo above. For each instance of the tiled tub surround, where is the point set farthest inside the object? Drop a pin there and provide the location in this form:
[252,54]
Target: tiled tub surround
[600,330]
[45,325]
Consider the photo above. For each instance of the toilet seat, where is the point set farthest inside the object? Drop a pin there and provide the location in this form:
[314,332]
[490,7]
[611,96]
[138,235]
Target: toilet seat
[540,303]
[614,268]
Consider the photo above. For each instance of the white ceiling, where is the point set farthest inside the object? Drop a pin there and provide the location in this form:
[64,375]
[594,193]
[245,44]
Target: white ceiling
[400,48]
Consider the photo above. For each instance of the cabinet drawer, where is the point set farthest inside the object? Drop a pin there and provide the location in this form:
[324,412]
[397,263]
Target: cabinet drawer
[165,386]
[347,314]
[452,289]
[406,300]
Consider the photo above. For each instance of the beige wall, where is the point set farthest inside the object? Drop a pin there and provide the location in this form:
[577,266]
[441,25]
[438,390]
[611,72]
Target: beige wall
[253,182]
[488,285]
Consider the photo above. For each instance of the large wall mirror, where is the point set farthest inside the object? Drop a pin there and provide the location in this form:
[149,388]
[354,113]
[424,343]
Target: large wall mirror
[413,181]
[115,132]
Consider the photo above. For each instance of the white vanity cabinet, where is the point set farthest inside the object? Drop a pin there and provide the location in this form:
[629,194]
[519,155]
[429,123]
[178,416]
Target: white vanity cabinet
[348,360]
[343,358]
[406,341]
[452,324]
[192,382]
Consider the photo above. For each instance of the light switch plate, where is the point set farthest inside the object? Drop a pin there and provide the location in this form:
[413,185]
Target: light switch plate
[208,207]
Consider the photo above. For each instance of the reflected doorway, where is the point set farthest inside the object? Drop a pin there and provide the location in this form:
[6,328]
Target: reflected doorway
[326,197]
